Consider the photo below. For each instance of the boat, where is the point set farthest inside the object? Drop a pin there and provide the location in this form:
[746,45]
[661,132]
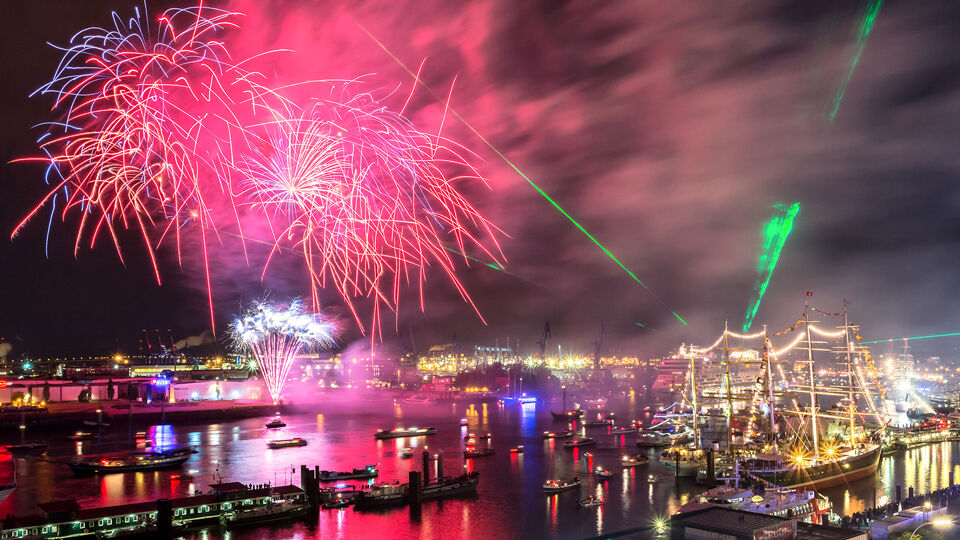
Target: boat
[623,430]
[276,423]
[558,486]
[397,433]
[406,453]
[633,461]
[470,439]
[81,436]
[571,414]
[463,421]
[96,423]
[517,450]
[274,510]
[591,501]
[361,473]
[651,478]
[599,422]
[339,502]
[807,506]
[287,443]
[392,494]
[557,435]
[6,490]
[653,439]
[26,448]
[478,452]
[577,443]
[683,461]
[419,400]
[846,465]
[133,461]
[603,472]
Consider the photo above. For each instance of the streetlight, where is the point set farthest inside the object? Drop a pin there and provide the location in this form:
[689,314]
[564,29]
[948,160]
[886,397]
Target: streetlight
[935,523]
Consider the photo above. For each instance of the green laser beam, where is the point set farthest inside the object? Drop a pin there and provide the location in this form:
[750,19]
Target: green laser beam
[866,26]
[910,338]
[775,234]
[517,170]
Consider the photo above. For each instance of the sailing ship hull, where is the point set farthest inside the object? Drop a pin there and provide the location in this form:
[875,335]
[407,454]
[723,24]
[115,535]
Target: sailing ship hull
[827,474]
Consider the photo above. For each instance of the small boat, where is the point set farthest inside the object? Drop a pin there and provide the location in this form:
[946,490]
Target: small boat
[577,443]
[403,432]
[517,450]
[599,422]
[361,473]
[276,423]
[485,437]
[470,437]
[557,486]
[623,429]
[653,439]
[287,443]
[406,453]
[639,459]
[567,415]
[651,478]
[27,448]
[463,421]
[339,502]
[591,501]
[557,435]
[603,472]
[96,423]
[81,436]
[478,452]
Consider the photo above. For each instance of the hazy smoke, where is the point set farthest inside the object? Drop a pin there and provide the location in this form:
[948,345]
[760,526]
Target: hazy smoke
[204,338]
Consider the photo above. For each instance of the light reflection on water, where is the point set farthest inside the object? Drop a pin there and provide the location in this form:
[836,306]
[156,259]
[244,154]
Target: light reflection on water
[510,493]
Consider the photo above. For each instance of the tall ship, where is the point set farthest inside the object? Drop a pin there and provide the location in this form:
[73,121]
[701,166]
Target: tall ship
[799,423]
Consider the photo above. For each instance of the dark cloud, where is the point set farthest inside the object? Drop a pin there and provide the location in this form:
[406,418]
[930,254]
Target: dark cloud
[667,129]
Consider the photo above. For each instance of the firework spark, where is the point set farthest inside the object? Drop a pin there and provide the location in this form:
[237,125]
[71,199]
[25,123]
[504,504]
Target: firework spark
[365,197]
[276,333]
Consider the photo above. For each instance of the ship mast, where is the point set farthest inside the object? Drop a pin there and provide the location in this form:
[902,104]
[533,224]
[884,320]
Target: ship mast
[813,392]
[726,365]
[846,333]
[693,388]
[773,414]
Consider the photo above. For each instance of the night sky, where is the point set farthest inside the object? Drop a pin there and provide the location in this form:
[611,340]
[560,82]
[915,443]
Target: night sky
[667,129]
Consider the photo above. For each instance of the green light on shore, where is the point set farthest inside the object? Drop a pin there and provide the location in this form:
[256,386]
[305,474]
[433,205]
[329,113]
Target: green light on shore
[775,234]
[910,338]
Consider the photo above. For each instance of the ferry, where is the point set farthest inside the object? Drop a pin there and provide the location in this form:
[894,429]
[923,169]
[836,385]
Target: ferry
[557,435]
[386,494]
[806,506]
[653,439]
[633,461]
[361,473]
[134,461]
[403,432]
[558,486]
[287,443]
[577,443]
[478,452]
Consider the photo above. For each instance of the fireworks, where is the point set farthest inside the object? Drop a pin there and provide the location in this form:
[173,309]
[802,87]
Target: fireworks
[363,195]
[276,333]
[161,132]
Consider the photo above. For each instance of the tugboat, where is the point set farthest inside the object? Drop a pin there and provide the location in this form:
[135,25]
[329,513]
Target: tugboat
[557,435]
[135,461]
[478,452]
[276,423]
[577,443]
[383,494]
[591,501]
[287,443]
[403,432]
[558,486]
[639,459]
[361,473]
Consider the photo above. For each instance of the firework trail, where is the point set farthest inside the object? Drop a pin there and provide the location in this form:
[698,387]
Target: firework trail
[365,197]
[275,333]
[775,234]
